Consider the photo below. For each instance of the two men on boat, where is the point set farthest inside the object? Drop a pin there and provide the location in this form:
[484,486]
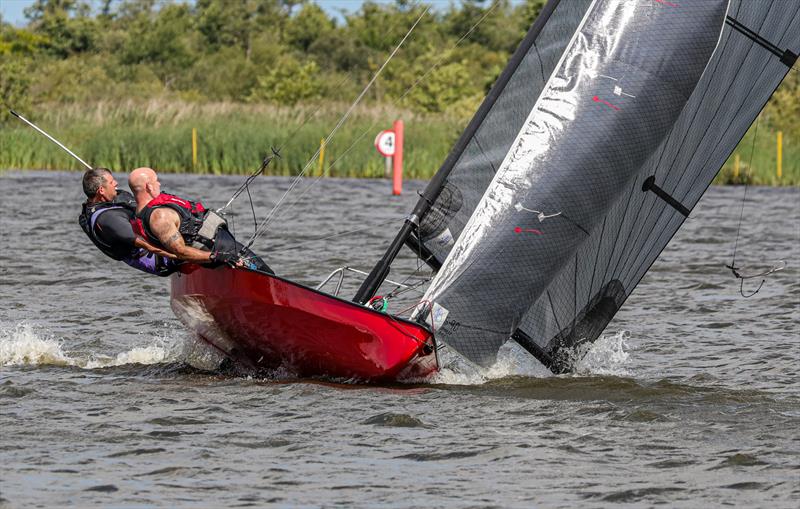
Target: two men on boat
[164,228]
[108,217]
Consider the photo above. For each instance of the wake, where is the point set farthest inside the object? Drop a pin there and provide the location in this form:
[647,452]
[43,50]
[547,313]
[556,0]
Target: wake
[23,345]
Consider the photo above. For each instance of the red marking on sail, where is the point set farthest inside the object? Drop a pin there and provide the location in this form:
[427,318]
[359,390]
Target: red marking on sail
[526,230]
[664,2]
[598,100]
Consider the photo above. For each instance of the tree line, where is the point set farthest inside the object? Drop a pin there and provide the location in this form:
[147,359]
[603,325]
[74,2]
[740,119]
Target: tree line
[282,52]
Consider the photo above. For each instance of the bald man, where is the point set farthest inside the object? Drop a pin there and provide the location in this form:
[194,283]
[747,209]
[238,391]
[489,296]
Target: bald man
[185,228]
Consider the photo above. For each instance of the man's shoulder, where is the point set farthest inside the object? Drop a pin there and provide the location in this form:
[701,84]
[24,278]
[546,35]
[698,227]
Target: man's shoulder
[115,215]
[163,214]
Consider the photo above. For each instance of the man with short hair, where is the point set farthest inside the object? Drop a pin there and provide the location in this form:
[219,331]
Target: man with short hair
[185,228]
[108,217]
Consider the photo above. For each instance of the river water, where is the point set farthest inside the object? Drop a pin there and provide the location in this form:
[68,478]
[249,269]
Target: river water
[690,399]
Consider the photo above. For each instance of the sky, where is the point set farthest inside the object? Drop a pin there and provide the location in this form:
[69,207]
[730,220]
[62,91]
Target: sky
[12,10]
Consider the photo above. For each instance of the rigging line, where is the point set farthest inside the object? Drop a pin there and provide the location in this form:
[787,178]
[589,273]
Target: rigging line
[342,120]
[398,290]
[288,247]
[314,114]
[252,208]
[275,152]
[744,196]
[247,181]
[435,66]
[394,292]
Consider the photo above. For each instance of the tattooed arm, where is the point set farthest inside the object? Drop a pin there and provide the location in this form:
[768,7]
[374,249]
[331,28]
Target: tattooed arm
[141,243]
[164,223]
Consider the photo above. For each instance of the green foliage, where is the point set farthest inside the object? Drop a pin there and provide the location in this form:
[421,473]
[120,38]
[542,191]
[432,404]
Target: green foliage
[289,82]
[20,42]
[785,104]
[160,41]
[224,74]
[14,84]
[307,27]
[276,51]
[64,26]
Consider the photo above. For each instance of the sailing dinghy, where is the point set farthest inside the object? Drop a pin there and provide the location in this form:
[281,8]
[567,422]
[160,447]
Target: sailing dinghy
[591,149]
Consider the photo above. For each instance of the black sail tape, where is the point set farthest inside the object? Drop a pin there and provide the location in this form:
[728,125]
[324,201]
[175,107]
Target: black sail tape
[788,57]
[650,185]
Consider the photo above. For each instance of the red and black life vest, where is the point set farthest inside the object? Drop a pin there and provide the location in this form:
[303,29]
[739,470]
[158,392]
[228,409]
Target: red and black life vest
[191,215]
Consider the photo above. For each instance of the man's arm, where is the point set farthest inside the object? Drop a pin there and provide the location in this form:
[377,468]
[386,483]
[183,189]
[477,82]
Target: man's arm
[143,244]
[164,224]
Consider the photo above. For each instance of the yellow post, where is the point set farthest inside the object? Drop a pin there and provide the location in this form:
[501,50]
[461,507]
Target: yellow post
[736,167]
[780,154]
[194,147]
[321,156]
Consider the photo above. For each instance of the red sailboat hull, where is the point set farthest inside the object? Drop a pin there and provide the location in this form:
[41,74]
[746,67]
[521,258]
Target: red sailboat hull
[262,322]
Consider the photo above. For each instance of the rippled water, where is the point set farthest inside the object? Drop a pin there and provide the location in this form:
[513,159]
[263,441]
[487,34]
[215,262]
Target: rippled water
[691,398]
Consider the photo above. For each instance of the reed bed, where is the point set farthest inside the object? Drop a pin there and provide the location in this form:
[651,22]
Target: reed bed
[234,137]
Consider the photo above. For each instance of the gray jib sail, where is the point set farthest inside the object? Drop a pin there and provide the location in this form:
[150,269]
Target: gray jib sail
[613,98]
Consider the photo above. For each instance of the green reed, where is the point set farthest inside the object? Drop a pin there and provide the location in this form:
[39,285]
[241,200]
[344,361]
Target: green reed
[233,138]
[758,159]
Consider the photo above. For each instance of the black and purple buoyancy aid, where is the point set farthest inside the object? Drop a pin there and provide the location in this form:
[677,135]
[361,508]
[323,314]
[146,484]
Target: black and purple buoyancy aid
[191,216]
[137,258]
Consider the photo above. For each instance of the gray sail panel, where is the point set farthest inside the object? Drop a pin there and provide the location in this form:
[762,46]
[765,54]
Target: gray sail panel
[476,166]
[621,84]
[739,80]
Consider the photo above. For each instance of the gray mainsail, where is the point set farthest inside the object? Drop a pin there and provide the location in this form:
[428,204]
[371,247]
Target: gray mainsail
[610,104]
[742,75]
[485,149]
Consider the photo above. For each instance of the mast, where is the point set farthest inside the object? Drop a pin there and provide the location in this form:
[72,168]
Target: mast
[381,270]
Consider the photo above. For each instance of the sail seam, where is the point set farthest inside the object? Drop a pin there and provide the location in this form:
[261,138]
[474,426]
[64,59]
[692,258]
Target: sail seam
[596,256]
[553,309]
[483,152]
[619,230]
[541,65]
[575,288]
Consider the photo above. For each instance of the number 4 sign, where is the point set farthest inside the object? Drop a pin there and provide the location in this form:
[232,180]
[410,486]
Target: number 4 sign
[385,143]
